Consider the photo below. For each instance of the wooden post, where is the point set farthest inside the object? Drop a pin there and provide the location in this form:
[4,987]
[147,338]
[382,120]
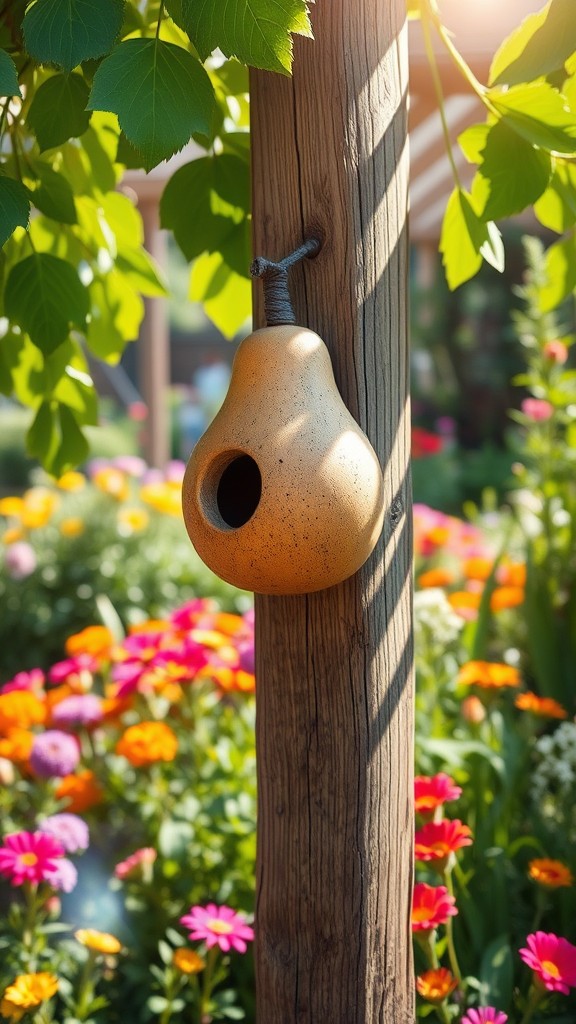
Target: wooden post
[334,669]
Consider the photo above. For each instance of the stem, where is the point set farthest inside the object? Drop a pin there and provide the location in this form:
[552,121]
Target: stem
[206,993]
[450,931]
[534,999]
[426,14]
[159,22]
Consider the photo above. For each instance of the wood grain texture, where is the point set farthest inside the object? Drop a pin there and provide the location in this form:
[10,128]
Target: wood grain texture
[334,669]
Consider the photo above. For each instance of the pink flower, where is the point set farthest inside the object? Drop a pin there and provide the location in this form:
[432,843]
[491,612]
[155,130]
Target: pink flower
[63,876]
[485,1015]
[79,709]
[537,409]
[32,680]
[553,959]
[20,560]
[29,857]
[556,351]
[432,791]
[220,926]
[438,839]
[54,754]
[134,864]
[68,829]
[76,667]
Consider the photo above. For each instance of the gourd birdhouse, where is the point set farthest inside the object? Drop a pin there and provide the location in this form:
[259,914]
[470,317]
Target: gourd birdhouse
[283,494]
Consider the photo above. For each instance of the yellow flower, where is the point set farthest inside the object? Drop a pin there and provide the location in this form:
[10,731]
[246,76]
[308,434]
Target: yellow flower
[71,527]
[11,535]
[39,505]
[113,482]
[164,497]
[71,481]
[188,961]
[27,991]
[11,506]
[100,942]
[134,520]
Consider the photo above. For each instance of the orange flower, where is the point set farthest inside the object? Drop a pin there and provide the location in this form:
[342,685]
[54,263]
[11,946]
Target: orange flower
[100,942]
[511,574]
[435,578]
[545,707]
[187,961]
[488,675]
[80,791]
[94,640]
[506,597]
[472,709]
[39,505]
[552,874]
[477,568]
[20,709]
[12,535]
[435,985]
[26,992]
[146,743]
[438,535]
[465,603]
[230,679]
[16,747]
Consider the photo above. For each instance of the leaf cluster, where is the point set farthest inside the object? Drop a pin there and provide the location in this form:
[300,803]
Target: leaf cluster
[523,153]
[88,89]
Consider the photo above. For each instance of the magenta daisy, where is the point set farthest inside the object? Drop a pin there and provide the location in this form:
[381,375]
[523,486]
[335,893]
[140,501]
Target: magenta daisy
[220,926]
[553,960]
[485,1015]
[29,857]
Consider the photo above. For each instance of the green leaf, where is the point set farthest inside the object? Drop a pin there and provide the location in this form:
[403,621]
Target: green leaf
[496,972]
[174,839]
[540,45]
[44,295]
[66,32]
[199,203]
[58,110]
[54,196]
[466,240]
[42,439]
[539,113]
[225,295]
[55,438]
[556,208]
[140,270]
[14,207]
[8,76]
[514,173]
[76,391]
[160,93]
[257,32]
[560,268]
[116,315]
[34,375]
[473,140]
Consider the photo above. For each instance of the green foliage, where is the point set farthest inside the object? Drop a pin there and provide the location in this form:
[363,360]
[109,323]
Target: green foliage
[257,32]
[90,89]
[525,150]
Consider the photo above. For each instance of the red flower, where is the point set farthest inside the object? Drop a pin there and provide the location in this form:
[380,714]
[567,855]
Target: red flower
[432,791]
[425,443]
[438,839]
[431,905]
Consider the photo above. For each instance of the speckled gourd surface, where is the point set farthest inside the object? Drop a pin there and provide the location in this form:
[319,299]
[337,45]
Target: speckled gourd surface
[283,494]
